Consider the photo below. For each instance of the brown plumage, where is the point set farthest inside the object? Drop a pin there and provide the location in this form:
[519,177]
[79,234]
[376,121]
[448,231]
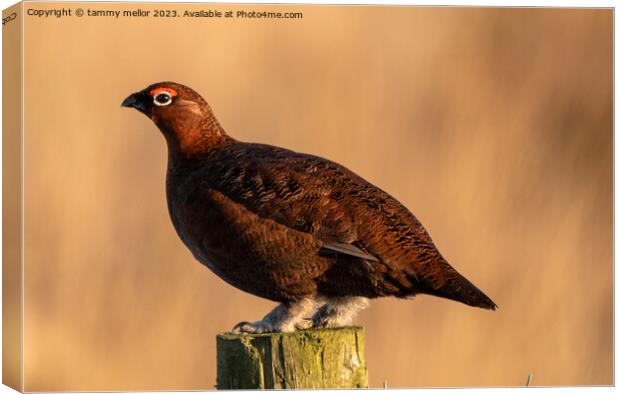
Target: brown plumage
[290,227]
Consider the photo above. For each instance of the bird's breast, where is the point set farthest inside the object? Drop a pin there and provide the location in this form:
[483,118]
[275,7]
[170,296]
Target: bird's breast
[255,254]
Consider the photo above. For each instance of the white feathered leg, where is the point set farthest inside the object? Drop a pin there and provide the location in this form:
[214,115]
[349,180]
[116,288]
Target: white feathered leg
[338,311]
[282,318]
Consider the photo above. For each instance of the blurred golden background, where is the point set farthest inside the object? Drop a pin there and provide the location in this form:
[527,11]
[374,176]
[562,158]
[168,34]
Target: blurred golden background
[494,126]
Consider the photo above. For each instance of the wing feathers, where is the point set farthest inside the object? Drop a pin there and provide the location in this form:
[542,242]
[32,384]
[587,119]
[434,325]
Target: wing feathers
[349,249]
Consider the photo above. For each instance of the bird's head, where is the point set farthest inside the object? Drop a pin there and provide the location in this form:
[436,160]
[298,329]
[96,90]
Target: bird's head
[182,115]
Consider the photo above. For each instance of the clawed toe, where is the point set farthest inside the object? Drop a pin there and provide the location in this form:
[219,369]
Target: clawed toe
[304,324]
[239,326]
[251,328]
[259,327]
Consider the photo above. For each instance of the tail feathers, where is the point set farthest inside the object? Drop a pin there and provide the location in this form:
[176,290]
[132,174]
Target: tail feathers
[462,290]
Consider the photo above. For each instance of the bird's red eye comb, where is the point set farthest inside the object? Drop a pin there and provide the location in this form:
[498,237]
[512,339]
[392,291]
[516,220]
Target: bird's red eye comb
[156,91]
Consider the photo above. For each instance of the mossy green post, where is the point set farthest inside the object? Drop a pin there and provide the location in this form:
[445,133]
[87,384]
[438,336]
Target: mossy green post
[310,359]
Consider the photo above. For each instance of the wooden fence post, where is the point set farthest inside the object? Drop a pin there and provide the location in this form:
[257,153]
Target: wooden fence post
[310,359]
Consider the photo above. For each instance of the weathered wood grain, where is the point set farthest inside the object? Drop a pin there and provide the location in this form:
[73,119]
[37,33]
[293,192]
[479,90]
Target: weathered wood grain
[325,358]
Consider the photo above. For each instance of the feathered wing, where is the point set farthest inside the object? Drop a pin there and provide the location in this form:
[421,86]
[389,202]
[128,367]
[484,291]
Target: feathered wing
[347,214]
[348,249]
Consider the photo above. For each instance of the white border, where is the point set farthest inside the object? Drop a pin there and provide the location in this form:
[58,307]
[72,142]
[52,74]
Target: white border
[479,3]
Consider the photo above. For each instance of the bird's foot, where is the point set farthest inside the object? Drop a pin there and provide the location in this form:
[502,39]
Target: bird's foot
[304,324]
[258,327]
[321,317]
[338,312]
[286,317]
[323,323]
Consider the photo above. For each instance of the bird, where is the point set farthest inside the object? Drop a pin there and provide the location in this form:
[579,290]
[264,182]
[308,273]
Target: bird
[290,227]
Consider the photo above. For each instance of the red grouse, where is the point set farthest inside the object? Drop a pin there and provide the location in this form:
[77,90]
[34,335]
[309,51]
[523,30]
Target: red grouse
[290,227]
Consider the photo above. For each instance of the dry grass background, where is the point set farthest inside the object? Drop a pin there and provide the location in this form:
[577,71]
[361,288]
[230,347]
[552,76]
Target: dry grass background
[494,126]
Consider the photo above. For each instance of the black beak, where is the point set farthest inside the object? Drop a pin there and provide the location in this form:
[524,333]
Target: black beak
[136,101]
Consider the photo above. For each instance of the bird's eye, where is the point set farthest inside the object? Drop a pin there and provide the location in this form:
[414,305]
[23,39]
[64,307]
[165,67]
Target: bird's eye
[162,99]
